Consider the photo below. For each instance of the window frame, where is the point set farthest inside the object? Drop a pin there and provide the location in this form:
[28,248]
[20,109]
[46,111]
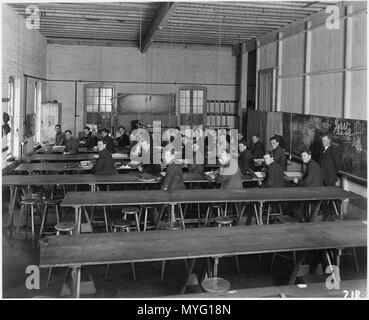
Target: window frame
[98,86]
[204,107]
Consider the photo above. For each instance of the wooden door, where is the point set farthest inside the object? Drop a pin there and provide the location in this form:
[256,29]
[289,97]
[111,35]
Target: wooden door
[50,116]
[267,89]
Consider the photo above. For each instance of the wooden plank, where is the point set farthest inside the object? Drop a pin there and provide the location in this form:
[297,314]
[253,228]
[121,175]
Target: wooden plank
[206,196]
[72,157]
[79,179]
[163,14]
[95,249]
[311,290]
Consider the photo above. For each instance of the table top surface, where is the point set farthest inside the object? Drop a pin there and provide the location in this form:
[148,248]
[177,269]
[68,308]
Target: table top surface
[130,197]
[124,247]
[77,179]
[72,157]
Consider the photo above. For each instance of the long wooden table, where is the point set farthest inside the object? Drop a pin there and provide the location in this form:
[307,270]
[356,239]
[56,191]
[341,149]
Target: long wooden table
[51,157]
[112,248]
[250,195]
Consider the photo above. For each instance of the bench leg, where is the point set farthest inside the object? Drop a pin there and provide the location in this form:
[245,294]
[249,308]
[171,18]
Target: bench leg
[296,269]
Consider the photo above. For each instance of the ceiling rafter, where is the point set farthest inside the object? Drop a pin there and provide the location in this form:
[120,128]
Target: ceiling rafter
[162,16]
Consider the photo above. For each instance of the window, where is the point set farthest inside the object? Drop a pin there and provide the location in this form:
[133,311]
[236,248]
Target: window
[98,106]
[192,102]
[37,109]
[10,111]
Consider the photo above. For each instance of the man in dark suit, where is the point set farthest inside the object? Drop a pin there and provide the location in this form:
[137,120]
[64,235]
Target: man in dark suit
[108,141]
[275,175]
[123,139]
[174,177]
[245,158]
[88,141]
[312,177]
[258,149]
[71,144]
[279,155]
[104,163]
[147,154]
[329,161]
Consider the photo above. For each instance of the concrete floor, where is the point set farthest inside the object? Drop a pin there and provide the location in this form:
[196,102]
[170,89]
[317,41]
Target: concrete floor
[255,272]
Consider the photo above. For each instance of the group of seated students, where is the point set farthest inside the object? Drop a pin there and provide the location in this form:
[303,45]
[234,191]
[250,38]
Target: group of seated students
[230,173]
[90,140]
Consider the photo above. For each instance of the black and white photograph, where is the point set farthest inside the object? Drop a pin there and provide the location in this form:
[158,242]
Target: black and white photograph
[184,151]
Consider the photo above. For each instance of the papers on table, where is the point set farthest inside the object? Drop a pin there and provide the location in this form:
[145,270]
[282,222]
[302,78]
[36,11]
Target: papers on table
[293,174]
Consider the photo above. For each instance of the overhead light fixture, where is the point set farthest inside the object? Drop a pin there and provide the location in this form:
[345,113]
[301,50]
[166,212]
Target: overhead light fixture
[160,27]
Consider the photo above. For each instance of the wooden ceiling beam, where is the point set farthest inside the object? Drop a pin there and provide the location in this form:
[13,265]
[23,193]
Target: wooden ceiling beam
[161,18]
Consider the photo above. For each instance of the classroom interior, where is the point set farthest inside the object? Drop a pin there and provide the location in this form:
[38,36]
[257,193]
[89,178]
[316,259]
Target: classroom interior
[295,71]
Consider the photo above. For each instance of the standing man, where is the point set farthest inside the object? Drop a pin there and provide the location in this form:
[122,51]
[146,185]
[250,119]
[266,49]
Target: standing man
[59,136]
[108,141]
[258,149]
[329,161]
[278,153]
[71,144]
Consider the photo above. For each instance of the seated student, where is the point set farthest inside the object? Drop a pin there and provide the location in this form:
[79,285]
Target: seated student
[88,140]
[313,177]
[258,149]
[71,144]
[275,175]
[230,172]
[245,158]
[174,177]
[123,139]
[110,146]
[59,136]
[196,167]
[278,152]
[150,168]
[104,163]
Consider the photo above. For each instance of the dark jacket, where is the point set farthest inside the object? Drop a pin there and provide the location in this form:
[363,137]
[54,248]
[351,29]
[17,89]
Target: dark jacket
[150,168]
[123,141]
[110,146]
[274,177]
[280,157]
[245,161]
[90,141]
[231,181]
[329,162]
[59,139]
[258,150]
[105,164]
[313,176]
[71,146]
[174,178]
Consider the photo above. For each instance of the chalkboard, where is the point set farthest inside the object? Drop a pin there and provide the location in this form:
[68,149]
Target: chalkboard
[156,104]
[349,136]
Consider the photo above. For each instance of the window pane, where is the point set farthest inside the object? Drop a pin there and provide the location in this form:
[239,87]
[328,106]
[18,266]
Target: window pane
[182,109]
[89,108]
[108,108]
[95,100]
[200,94]
[109,92]
[96,92]
[89,92]
[102,100]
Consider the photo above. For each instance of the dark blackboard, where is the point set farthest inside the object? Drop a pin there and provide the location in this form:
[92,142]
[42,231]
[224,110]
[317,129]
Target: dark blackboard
[349,136]
[156,104]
